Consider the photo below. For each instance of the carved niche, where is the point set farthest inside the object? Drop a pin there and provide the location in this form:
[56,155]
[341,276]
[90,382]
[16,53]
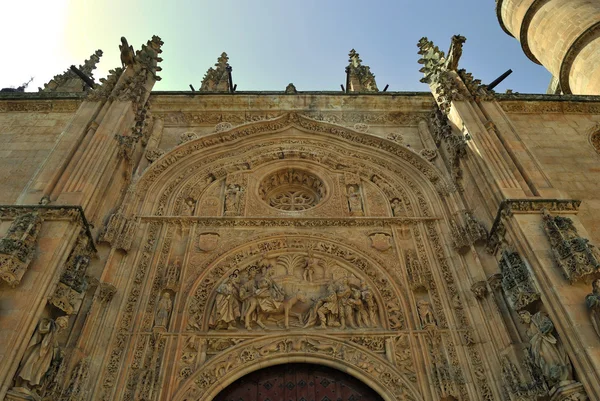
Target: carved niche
[18,246]
[516,281]
[73,281]
[293,289]
[576,257]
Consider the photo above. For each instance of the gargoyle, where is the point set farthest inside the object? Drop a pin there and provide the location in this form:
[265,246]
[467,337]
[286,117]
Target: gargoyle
[127,53]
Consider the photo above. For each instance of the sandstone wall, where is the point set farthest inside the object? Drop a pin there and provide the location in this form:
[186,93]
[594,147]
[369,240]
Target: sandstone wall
[558,134]
[29,130]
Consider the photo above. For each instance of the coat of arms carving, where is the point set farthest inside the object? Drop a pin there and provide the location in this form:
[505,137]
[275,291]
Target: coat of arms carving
[208,241]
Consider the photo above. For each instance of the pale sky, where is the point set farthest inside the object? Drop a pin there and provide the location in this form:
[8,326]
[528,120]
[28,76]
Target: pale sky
[270,42]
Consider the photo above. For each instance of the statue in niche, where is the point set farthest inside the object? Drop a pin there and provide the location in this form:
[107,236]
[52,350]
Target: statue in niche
[172,275]
[593,303]
[41,351]
[545,350]
[232,199]
[161,320]
[189,206]
[369,299]
[426,314]
[354,201]
[226,309]
[397,207]
[309,268]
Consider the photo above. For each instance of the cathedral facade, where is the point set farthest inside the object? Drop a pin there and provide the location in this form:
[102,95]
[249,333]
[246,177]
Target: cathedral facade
[361,244]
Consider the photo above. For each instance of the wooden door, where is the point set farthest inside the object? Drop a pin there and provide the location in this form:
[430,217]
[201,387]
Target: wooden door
[297,382]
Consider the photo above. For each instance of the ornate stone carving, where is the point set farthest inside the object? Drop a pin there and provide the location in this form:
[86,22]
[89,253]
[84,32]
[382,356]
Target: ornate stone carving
[418,277]
[233,194]
[106,87]
[576,257]
[292,190]
[426,315]
[480,290]
[186,137]
[217,79]
[78,389]
[106,292]
[41,351]
[396,137]
[119,231]
[518,385]
[361,127]
[360,77]
[127,53]
[223,126]
[256,295]
[17,248]
[381,241]
[593,303]
[152,154]
[163,311]
[66,299]
[429,154]
[355,201]
[453,146]
[548,354]
[380,372]
[516,281]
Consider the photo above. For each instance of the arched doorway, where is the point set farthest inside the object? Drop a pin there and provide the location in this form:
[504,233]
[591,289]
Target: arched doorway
[297,382]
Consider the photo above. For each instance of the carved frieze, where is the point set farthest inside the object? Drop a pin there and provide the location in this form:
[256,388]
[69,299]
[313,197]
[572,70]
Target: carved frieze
[17,248]
[575,256]
[276,293]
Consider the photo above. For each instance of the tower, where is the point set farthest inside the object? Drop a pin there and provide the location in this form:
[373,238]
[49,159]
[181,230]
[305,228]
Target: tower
[561,35]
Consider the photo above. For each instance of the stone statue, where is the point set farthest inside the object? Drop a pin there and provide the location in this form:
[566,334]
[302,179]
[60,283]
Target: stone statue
[397,207]
[247,292]
[309,267]
[226,310]
[188,207]
[127,53]
[232,199]
[343,293]
[163,311]
[354,201]
[545,350]
[426,314]
[326,310]
[593,303]
[41,351]
[369,299]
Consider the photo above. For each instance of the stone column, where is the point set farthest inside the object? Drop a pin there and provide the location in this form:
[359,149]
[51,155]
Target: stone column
[562,35]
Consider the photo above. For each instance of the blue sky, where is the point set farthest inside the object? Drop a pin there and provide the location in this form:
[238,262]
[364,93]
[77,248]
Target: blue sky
[270,42]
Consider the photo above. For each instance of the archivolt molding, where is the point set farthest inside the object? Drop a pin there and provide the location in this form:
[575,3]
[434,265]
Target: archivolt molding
[594,137]
[252,355]
[233,136]
[392,305]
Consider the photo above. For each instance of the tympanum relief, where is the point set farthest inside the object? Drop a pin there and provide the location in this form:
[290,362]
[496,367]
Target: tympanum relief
[293,290]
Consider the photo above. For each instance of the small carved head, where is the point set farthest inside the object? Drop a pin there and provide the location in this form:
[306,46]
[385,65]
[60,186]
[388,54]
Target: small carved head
[62,321]
[525,317]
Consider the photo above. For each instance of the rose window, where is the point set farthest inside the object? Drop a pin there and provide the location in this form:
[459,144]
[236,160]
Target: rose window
[292,190]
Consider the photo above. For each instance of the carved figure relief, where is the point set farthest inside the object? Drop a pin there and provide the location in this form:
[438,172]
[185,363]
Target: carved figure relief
[546,350]
[426,314]
[41,351]
[163,311]
[293,290]
[232,199]
[355,203]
